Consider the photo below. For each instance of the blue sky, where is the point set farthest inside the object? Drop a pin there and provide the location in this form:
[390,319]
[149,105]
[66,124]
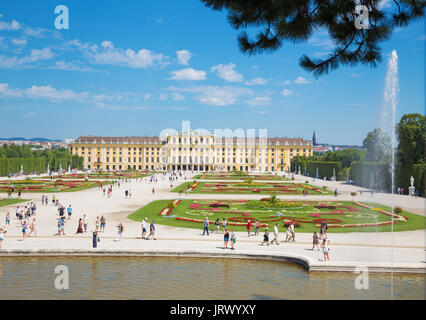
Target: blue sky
[133,68]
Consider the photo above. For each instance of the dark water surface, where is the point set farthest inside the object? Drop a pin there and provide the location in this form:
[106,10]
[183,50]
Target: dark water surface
[190,278]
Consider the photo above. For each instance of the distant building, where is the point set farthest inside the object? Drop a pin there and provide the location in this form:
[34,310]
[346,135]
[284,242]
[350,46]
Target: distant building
[314,139]
[189,151]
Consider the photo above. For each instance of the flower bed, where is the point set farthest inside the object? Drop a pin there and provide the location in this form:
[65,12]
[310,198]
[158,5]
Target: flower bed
[307,215]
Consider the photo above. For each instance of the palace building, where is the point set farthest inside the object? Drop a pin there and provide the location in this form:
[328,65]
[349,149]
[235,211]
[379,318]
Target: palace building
[189,151]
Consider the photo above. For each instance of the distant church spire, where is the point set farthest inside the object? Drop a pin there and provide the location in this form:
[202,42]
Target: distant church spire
[314,139]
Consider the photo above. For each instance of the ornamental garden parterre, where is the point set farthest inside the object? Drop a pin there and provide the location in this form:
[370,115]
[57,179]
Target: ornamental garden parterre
[340,216]
[46,185]
[251,187]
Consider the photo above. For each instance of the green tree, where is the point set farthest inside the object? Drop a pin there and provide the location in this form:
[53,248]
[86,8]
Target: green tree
[378,145]
[296,21]
[411,131]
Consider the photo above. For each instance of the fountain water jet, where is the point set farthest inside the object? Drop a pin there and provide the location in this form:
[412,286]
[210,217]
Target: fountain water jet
[390,100]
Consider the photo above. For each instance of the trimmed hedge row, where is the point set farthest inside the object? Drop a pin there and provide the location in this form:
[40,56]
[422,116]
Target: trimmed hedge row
[378,175]
[325,168]
[13,165]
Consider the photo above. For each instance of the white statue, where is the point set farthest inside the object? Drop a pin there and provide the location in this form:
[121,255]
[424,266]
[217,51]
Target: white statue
[412,181]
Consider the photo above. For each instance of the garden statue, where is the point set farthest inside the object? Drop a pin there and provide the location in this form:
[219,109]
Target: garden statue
[411,188]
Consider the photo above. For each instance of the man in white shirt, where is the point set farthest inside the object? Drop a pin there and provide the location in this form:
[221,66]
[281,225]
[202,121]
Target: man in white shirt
[293,235]
[275,234]
[144,227]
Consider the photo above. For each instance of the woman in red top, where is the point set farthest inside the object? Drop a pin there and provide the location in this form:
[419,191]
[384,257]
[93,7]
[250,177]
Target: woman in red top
[249,227]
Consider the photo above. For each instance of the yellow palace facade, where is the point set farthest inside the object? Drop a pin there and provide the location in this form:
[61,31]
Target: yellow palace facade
[192,152]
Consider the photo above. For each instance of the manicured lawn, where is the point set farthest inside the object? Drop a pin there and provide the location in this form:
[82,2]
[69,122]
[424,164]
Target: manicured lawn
[251,188]
[48,185]
[7,202]
[341,216]
[239,176]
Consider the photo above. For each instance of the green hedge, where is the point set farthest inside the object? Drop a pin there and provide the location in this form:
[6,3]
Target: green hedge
[13,165]
[379,176]
[325,168]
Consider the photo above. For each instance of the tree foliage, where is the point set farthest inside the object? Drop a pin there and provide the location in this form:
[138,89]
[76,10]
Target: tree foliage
[411,131]
[296,21]
[378,145]
[345,156]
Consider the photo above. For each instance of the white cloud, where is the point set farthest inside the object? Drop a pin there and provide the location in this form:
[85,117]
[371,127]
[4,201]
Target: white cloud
[52,94]
[321,39]
[227,72]
[217,96]
[14,25]
[19,42]
[256,81]
[147,96]
[178,97]
[69,66]
[183,56]
[108,54]
[258,101]
[301,80]
[188,74]
[25,61]
[286,93]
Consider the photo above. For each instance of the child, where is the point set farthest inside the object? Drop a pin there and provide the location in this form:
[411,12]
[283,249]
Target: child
[325,249]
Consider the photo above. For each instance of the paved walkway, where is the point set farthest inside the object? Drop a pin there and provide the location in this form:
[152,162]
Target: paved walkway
[406,249]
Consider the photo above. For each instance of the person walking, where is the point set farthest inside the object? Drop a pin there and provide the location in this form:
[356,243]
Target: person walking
[275,235]
[293,234]
[225,239]
[233,239]
[335,192]
[266,237]
[7,219]
[80,226]
[151,230]
[206,226]
[120,229]
[217,224]
[85,223]
[249,227]
[256,228]
[95,239]
[32,228]
[24,229]
[69,210]
[323,230]
[325,249]
[2,232]
[315,242]
[223,224]
[144,227]
[103,222]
